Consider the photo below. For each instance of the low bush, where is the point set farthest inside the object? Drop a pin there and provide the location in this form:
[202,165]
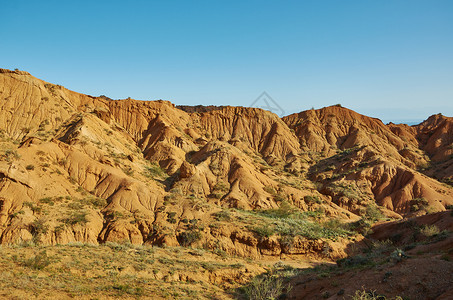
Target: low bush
[222,215]
[429,230]
[189,237]
[418,204]
[270,190]
[11,155]
[312,200]
[284,211]
[289,221]
[371,295]
[373,214]
[266,286]
[47,200]
[38,227]
[264,230]
[154,170]
[78,217]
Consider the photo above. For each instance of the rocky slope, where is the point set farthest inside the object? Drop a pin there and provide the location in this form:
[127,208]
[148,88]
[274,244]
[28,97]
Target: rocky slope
[90,169]
[410,259]
[372,161]
[232,183]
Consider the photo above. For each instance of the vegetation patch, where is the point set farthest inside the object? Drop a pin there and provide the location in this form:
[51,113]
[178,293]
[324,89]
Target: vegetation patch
[153,170]
[10,155]
[189,237]
[371,295]
[418,204]
[289,221]
[223,215]
[77,217]
[38,262]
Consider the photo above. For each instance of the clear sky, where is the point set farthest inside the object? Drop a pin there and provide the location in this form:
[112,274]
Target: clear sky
[387,59]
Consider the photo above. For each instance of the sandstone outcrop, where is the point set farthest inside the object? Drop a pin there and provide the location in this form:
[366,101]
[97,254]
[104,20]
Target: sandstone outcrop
[80,168]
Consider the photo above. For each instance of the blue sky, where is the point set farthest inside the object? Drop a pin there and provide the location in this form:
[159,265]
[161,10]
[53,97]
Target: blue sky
[387,59]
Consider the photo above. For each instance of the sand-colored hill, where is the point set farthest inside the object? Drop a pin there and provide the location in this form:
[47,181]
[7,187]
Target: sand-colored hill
[143,171]
[331,128]
[363,159]
[235,181]
[135,154]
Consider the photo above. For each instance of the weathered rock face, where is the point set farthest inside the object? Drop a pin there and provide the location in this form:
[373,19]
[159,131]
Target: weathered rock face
[80,168]
[362,159]
[335,127]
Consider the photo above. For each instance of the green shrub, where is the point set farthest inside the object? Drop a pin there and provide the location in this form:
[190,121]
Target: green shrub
[39,227]
[171,217]
[280,197]
[154,170]
[373,214]
[264,230]
[270,190]
[217,195]
[418,204]
[189,237]
[335,224]
[78,217]
[429,230]
[119,246]
[11,155]
[284,211]
[220,189]
[362,226]
[75,205]
[330,168]
[307,229]
[289,221]
[312,199]
[223,215]
[47,200]
[32,206]
[371,295]
[265,287]
[96,202]
[222,186]
[398,255]
[127,289]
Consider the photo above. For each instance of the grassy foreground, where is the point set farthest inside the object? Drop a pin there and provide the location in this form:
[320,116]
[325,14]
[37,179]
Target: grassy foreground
[113,270]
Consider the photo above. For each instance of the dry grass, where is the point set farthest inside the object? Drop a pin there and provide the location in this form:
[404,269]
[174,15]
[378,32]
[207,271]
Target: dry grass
[116,270]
